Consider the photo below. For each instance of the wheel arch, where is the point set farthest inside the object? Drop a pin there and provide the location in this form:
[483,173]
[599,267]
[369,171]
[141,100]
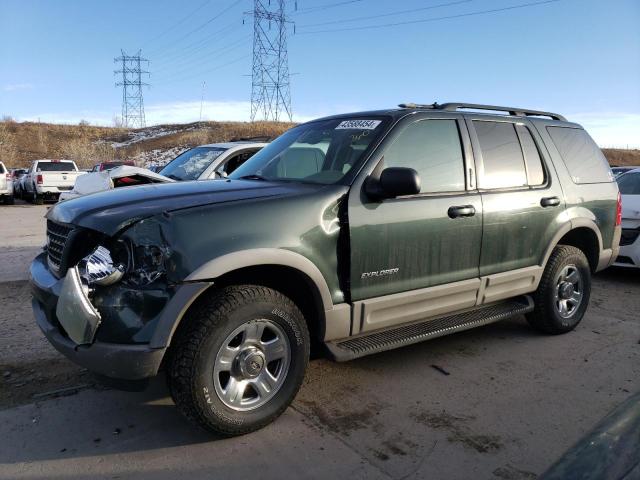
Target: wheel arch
[583,234]
[285,271]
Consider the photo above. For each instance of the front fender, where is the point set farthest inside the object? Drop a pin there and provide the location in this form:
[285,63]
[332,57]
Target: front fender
[259,257]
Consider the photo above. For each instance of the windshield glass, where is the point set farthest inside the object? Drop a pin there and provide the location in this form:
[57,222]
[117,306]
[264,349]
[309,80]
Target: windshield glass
[55,167]
[192,163]
[629,184]
[319,152]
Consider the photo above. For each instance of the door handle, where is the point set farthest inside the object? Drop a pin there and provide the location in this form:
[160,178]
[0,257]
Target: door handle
[461,211]
[550,202]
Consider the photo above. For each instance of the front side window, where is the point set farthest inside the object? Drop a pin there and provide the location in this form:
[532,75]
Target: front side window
[629,184]
[433,149]
[192,163]
[318,152]
[502,160]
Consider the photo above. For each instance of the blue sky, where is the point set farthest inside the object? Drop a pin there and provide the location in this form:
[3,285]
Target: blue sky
[578,57]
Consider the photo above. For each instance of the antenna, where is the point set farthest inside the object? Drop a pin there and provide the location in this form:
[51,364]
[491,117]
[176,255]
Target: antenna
[270,92]
[131,83]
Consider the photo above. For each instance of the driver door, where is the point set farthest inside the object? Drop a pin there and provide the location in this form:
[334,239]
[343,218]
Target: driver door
[418,255]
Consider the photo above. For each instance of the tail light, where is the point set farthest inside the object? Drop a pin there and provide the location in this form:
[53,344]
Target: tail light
[8,177]
[619,211]
[39,179]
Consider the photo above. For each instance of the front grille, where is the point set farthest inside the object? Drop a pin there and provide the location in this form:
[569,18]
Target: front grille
[57,236]
[629,235]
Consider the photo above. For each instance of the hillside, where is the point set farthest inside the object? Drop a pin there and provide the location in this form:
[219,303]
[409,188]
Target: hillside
[86,144]
[21,142]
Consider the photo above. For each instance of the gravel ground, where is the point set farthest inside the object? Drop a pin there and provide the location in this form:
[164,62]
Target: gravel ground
[510,403]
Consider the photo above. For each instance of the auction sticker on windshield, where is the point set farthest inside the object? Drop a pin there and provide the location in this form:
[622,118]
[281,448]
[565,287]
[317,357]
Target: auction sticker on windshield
[359,124]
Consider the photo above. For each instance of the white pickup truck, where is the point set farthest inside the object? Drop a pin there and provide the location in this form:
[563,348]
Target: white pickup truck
[6,185]
[47,179]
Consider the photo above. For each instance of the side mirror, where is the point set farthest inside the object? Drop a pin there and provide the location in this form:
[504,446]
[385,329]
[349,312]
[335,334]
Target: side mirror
[393,182]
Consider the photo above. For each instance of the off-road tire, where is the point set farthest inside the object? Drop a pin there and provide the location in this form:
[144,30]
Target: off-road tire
[194,348]
[545,317]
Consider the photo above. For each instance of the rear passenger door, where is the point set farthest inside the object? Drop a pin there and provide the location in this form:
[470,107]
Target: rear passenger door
[521,196]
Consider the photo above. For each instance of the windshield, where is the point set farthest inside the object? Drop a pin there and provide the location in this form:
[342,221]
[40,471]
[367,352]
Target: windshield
[55,167]
[629,184]
[319,152]
[192,163]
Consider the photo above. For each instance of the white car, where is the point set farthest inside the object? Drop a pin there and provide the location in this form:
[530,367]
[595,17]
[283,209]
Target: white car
[6,185]
[205,162]
[216,160]
[123,176]
[47,179]
[629,184]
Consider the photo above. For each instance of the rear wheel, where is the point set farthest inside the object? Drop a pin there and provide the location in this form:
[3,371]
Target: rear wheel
[9,200]
[37,199]
[239,360]
[563,295]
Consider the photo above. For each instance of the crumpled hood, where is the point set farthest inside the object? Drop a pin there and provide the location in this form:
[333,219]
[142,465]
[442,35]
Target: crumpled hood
[110,211]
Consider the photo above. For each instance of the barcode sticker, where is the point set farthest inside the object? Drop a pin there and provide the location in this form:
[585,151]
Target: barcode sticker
[359,124]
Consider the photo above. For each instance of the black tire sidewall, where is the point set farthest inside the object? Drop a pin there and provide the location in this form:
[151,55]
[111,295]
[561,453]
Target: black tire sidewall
[569,323]
[208,402]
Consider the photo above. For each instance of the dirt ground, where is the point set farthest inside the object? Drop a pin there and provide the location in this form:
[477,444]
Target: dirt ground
[510,403]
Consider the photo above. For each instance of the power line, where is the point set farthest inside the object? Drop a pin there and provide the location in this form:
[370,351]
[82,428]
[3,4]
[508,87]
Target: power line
[390,14]
[199,74]
[201,26]
[187,60]
[179,22]
[193,47]
[433,19]
[304,11]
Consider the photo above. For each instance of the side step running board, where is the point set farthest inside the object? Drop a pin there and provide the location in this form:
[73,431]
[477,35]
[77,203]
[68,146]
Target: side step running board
[389,338]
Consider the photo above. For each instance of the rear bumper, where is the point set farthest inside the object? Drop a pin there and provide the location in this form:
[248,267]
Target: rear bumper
[112,360]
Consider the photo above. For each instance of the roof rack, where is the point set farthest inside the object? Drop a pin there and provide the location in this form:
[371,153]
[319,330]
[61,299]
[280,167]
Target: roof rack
[263,139]
[453,107]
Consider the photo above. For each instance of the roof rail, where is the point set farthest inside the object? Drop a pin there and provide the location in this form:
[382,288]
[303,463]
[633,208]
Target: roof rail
[518,112]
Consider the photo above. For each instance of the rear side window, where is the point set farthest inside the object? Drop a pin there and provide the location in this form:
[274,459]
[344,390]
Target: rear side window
[433,149]
[581,155]
[502,160]
[532,160]
[2,168]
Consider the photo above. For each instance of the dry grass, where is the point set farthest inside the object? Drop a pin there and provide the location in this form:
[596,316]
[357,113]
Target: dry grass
[87,145]
[620,157]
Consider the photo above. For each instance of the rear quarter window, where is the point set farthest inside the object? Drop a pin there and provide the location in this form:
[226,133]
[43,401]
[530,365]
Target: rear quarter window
[583,158]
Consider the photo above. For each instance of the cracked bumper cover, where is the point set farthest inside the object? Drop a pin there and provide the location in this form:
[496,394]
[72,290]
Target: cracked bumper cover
[135,361]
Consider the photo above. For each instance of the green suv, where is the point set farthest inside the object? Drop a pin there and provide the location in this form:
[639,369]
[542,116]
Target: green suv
[348,235]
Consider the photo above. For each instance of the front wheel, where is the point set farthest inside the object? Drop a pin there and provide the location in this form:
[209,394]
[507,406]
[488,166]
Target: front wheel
[239,360]
[562,297]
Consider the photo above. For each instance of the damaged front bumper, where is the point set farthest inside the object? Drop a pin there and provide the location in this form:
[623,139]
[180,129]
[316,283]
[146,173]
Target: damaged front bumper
[70,322]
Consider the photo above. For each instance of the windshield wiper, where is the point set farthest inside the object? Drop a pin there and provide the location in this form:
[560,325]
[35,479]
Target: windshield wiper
[252,177]
[174,177]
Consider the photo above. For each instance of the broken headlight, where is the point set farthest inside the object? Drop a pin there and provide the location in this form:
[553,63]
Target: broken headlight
[133,264]
[147,264]
[98,268]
